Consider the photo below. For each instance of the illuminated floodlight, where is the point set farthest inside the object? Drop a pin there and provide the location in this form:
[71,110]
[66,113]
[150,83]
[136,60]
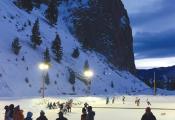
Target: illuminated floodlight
[43,66]
[88,73]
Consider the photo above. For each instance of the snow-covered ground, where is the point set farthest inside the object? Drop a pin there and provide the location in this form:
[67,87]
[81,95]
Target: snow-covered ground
[118,110]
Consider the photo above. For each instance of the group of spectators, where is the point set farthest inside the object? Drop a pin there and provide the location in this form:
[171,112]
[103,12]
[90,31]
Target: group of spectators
[15,113]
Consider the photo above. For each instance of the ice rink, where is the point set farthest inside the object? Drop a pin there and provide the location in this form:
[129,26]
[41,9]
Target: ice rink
[163,107]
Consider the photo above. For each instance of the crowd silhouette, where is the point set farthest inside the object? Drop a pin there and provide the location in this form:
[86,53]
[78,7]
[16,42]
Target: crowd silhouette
[15,113]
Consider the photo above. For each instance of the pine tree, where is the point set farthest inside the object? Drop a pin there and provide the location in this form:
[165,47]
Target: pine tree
[76,53]
[37,3]
[112,84]
[16,47]
[35,38]
[47,56]
[52,12]
[25,4]
[71,76]
[47,79]
[86,65]
[57,49]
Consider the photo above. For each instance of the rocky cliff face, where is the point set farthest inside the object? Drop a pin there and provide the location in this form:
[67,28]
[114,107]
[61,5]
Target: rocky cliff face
[104,26]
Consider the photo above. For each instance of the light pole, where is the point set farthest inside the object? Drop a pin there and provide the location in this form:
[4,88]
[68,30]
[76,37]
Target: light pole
[155,90]
[88,74]
[44,68]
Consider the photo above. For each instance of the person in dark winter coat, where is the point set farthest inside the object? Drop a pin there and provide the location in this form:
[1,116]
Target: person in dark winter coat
[148,115]
[42,116]
[84,114]
[91,113]
[29,116]
[6,111]
[18,113]
[61,117]
[10,112]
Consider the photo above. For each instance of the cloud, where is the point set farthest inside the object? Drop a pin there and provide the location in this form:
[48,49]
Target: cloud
[151,15]
[144,6]
[153,28]
[154,62]
[153,45]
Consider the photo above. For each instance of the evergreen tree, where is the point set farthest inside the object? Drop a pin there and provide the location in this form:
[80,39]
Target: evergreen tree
[71,76]
[25,4]
[76,53]
[73,88]
[112,84]
[52,12]
[57,49]
[46,56]
[37,3]
[35,38]
[47,79]
[86,65]
[16,47]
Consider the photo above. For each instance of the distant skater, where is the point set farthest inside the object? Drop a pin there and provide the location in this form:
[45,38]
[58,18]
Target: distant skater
[113,100]
[123,99]
[107,100]
[148,102]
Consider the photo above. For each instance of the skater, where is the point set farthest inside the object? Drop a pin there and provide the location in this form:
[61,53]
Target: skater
[18,114]
[107,100]
[29,116]
[42,116]
[91,113]
[123,99]
[61,117]
[54,105]
[58,104]
[69,106]
[138,102]
[64,110]
[61,107]
[148,102]
[84,114]
[113,100]
[148,115]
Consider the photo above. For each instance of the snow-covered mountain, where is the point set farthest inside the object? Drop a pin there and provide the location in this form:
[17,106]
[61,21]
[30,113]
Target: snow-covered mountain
[165,78]
[19,77]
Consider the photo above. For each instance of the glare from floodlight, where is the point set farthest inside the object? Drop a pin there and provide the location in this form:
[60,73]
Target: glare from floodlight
[43,66]
[88,73]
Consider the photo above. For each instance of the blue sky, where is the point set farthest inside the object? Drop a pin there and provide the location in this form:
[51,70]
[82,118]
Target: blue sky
[153,24]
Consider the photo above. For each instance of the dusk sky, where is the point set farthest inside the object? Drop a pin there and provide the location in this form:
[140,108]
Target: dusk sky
[153,25]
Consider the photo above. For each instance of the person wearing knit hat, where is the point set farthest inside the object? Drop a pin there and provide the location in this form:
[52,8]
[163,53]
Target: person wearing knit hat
[29,116]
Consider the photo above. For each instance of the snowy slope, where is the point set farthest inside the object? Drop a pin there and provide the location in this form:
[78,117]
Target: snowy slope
[14,71]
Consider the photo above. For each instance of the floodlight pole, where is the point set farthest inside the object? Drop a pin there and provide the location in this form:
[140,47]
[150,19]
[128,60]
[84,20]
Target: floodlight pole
[88,74]
[155,84]
[43,67]
[43,84]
